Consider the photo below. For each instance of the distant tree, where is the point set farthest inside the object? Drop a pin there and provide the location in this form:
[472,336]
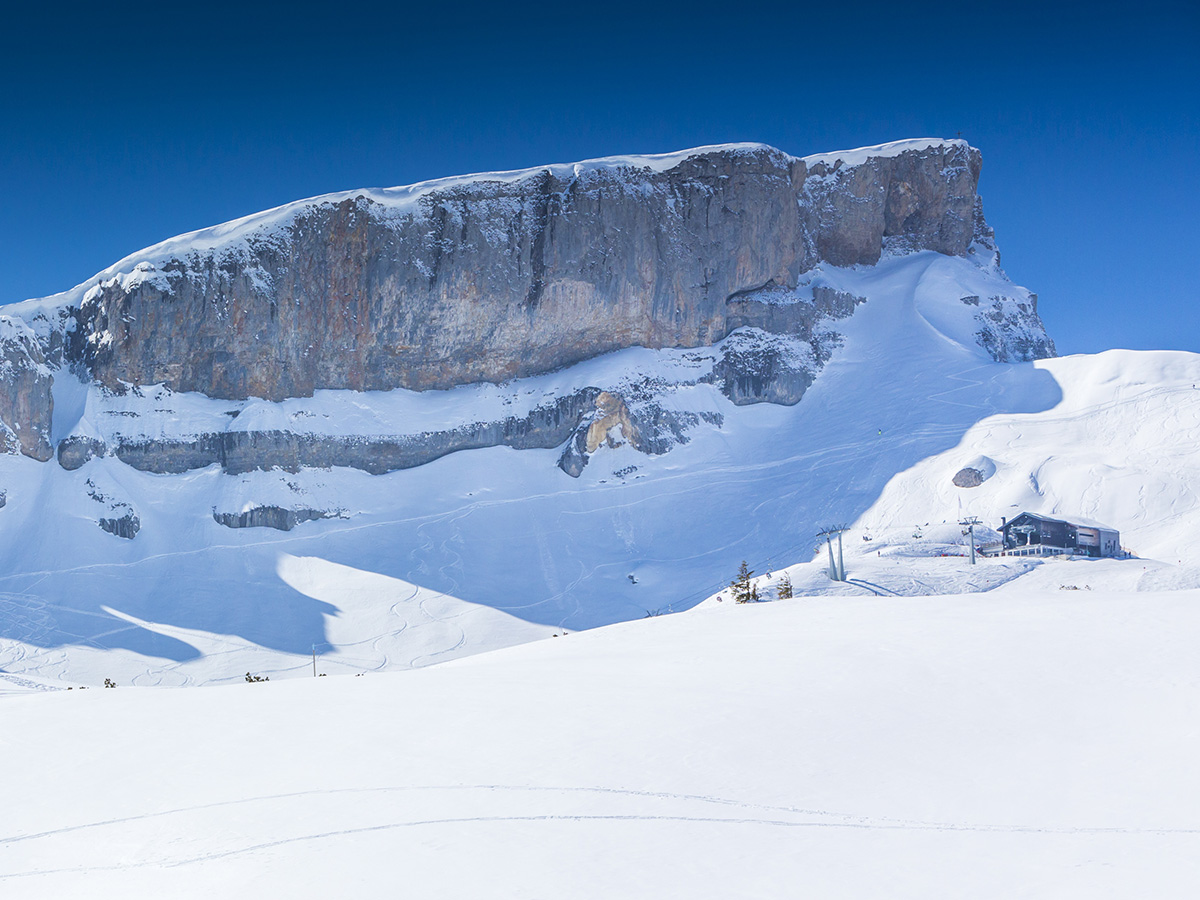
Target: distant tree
[742,588]
[253,678]
[108,682]
[784,589]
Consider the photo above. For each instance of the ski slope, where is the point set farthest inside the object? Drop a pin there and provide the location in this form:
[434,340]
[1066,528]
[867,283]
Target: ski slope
[1036,743]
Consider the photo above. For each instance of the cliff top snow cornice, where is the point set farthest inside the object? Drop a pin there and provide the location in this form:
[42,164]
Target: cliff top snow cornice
[398,199]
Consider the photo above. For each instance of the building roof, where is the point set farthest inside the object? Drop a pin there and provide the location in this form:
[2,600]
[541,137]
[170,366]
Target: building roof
[1074,520]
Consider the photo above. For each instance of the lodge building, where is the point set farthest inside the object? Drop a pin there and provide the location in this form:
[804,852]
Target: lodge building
[1030,534]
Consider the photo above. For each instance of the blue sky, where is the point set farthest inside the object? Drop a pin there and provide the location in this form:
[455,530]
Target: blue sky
[127,123]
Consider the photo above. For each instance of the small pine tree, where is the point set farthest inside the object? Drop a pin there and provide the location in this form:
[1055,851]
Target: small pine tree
[784,590]
[109,683]
[742,588]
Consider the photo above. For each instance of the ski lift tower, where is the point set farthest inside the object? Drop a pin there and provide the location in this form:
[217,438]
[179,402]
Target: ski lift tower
[970,522]
[837,571]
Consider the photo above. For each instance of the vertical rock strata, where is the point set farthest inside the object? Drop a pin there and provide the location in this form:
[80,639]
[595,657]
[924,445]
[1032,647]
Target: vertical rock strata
[26,403]
[491,278]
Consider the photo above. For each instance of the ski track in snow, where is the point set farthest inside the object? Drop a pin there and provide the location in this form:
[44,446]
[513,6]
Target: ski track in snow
[823,817]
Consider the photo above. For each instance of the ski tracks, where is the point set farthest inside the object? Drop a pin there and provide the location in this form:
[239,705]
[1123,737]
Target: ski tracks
[550,804]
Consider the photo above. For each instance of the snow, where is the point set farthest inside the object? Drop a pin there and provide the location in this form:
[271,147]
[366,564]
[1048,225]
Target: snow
[1035,743]
[857,157]
[155,411]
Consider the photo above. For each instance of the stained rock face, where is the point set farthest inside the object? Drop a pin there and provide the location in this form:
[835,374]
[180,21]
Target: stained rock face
[490,278]
[608,424]
[611,413]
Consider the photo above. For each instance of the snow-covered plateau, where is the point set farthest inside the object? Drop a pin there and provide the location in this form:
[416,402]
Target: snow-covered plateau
[225,462]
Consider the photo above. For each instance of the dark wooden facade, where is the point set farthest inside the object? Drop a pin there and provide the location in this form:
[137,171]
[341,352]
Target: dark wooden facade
[1083,537]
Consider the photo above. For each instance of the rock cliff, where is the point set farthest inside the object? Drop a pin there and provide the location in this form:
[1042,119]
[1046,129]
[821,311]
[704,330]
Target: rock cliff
[26,401]
[493,277]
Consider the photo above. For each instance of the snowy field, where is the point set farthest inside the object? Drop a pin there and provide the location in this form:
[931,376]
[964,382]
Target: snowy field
[1037,744]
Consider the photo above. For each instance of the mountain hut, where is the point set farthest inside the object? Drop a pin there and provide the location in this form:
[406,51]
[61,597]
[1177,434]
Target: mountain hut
[1030,534]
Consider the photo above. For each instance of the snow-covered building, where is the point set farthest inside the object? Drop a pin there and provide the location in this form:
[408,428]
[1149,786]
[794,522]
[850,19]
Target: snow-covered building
[1036,534]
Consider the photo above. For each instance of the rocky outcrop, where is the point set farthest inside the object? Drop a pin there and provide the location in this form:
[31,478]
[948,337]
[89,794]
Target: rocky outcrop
[26,402]
[124,523]
[916,200]
[1011,330]
[126,526]
[611,424]
[75,450]
[494,277]
[756,366]
[638,420]
[275,517]
[968,478]
[236,452]
[756,369]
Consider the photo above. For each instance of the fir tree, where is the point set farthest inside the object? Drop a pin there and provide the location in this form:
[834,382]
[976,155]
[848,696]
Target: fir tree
[784,591]
[741,587]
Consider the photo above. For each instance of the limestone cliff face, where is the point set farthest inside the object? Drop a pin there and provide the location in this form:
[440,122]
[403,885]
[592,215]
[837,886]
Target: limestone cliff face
[495,277]
[489,278]
[26,403]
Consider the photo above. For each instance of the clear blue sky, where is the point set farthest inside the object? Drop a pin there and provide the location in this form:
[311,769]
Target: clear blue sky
[124,124]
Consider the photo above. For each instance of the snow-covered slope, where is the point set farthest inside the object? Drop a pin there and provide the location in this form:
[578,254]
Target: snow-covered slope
[1037,744]
[1120,447]
[498,545]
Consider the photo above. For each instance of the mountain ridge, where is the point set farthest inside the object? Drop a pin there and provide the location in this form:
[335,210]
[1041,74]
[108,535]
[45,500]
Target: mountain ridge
[212,236]
[485,278]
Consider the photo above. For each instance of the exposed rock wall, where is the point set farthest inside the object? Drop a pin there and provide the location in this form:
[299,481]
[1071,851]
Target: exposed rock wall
[275,517]
[244,451]
[126,526]
[1011,329]
[918,200]
[485,280]
[488,278]
[26,402]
